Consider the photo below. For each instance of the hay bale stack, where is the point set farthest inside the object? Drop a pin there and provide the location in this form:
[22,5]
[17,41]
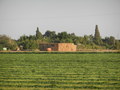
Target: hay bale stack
[66,47]
[58,47]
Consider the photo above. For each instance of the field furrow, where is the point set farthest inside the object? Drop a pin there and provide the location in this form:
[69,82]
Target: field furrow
[59,71]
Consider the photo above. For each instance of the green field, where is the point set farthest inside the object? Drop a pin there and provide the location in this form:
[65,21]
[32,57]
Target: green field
[59,71]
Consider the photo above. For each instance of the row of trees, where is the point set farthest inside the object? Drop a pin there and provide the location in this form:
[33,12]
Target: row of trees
[32,42]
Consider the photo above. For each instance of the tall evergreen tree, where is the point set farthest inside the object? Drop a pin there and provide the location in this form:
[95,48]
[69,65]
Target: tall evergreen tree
[97,37]
[38,34]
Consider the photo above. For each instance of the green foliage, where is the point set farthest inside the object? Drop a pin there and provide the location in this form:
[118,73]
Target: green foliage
[59,71]
[90,46]
[111,43]
[97,37]
[28,44]
[64,37]
[7,42]
[38,34]
[32,42]
[112,40]
[1,47]
[86,42]
[50,34]
[117,44]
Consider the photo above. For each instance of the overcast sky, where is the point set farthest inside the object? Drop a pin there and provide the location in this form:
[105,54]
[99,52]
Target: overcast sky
[18,17]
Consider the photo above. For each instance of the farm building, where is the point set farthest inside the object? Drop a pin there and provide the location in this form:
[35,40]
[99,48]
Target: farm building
[58,47]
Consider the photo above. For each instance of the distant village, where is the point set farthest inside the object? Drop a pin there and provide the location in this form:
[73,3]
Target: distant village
[63,41]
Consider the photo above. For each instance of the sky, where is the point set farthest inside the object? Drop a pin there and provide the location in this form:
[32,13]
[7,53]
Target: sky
[19,17]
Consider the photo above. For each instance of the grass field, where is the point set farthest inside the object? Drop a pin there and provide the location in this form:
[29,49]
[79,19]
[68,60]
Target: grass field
[59,71]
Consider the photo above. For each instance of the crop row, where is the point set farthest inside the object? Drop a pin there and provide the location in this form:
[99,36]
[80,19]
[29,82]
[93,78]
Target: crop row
[60,71]
[66,86]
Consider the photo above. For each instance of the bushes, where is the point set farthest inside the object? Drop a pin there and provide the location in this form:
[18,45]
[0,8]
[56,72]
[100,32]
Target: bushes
[7,42]
[1,47]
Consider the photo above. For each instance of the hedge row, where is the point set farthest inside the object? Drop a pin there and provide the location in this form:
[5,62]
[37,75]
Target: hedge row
[57,52]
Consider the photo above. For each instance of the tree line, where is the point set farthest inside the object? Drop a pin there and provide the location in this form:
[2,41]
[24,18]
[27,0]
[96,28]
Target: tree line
[32,42]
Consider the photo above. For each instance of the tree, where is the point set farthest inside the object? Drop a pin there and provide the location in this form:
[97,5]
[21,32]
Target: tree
[64,37]
[32,42]
[23,38]
[38,34]
[117,44]
[112,40]
[85,39]
[50,34]
[28,42]
[32,37]
[7,42]
[97,37]
[109,42]
[106,42]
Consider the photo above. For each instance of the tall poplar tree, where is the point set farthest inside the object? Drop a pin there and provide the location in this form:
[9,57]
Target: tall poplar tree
[97,37]
[38,34]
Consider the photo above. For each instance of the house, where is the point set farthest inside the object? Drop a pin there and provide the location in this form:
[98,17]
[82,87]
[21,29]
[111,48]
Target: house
[58,47]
